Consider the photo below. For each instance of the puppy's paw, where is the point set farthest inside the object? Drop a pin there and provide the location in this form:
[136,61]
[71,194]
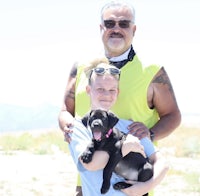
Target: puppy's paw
[104,190]
[105,187]
[121,185]
[86,157]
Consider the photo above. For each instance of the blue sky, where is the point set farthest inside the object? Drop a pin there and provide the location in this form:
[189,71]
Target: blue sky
[40,40]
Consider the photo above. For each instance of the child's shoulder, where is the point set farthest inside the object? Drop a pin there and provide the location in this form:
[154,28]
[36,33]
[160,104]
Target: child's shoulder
[123,124]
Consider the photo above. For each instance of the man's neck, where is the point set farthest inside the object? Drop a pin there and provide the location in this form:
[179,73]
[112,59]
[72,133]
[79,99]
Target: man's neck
[121,57]
[121,60]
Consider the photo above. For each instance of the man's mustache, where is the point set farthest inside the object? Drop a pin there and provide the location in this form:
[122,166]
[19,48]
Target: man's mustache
[118,35]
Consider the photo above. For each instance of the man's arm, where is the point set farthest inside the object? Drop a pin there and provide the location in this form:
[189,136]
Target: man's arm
[68,106]
[66,114]
[164,100]
[160,96]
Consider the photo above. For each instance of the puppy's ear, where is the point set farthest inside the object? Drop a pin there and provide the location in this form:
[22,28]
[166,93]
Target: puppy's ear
[85,119]
[113,119]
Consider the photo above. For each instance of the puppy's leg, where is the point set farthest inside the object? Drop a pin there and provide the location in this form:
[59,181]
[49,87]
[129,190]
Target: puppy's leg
[88,153]
[146,172]
[107,172]
[121,185]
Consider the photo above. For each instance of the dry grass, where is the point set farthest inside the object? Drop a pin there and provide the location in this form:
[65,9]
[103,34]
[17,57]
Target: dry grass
[36,142]
[183,142]
[39,164]
[182,150]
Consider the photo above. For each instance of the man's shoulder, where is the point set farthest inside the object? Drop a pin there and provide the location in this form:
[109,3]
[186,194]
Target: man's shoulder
[78,66]
[146,64]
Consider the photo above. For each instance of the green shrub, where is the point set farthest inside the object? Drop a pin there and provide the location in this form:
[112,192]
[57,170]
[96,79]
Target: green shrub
[44,143]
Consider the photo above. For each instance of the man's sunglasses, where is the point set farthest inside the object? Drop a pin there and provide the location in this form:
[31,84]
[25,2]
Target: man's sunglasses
[101,71]
[124,24]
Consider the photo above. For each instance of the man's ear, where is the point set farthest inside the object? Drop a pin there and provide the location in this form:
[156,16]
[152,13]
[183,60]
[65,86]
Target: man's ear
[101,27]
[134,30]
[113,119]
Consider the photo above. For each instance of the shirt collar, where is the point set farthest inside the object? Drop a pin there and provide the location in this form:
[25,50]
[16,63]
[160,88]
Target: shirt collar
[122,57]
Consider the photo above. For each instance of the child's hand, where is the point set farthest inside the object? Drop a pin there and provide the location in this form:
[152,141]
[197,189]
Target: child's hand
[132,144]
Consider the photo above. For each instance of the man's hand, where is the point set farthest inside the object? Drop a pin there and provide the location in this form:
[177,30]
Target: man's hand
[66,122]
[139,130]
[67,130]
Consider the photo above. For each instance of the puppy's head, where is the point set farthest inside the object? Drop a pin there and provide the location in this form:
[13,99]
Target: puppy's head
[100,122]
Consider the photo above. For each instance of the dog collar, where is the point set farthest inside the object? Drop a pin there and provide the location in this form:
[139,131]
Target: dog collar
[109,132]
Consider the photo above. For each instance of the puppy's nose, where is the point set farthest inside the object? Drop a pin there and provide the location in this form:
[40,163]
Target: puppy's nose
[96,122]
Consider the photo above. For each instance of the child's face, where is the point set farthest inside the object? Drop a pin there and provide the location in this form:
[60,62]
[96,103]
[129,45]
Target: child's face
[103,91]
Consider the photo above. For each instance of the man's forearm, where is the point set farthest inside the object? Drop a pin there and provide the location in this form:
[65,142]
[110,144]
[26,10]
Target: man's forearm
[64,119]
[166,125]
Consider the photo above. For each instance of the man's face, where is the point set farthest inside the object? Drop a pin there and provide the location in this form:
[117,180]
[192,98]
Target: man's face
[117,40]
[103,91]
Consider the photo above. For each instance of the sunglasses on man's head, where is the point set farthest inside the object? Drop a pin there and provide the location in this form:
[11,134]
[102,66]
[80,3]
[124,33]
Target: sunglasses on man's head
[109,24]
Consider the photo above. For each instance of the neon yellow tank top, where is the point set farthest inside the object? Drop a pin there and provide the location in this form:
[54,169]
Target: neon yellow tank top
[132,99]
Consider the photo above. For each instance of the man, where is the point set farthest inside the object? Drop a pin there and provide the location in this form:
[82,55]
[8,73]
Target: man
[146,94]
[103,90]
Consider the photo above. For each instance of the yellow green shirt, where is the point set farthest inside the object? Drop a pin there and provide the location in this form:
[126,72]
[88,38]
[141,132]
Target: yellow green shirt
[132,100]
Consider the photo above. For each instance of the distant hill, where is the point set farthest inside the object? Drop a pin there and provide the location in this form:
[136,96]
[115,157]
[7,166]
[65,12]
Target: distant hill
[19,118]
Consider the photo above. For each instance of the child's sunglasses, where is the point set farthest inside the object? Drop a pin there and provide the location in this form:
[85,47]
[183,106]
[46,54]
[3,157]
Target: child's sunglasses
[101,71]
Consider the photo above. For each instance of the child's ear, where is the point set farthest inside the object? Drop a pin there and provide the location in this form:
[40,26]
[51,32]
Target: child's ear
[88,89]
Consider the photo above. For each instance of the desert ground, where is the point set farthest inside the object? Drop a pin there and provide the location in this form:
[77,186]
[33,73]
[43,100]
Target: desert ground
[28,172]
[25,174]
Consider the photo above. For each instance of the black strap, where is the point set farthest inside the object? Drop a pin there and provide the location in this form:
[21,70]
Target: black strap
[120,64]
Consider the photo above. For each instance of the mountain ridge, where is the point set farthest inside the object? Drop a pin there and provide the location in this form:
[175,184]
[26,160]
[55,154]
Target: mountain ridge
[18,118]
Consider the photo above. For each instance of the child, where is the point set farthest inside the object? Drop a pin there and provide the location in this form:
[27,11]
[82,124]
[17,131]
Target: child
[103,90]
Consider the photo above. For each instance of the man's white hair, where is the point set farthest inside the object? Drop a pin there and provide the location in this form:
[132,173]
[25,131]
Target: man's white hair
[118,3]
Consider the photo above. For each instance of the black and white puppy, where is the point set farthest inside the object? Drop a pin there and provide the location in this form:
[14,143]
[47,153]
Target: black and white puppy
[107,138]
